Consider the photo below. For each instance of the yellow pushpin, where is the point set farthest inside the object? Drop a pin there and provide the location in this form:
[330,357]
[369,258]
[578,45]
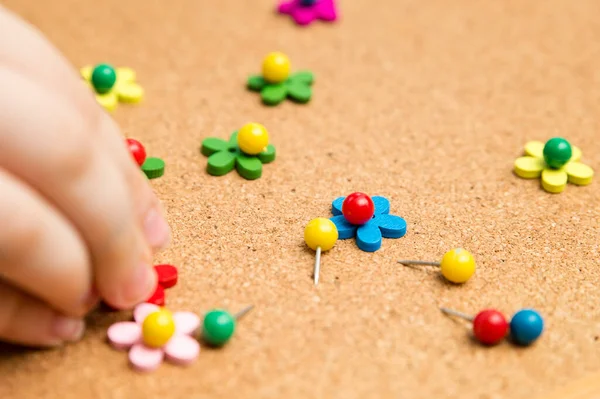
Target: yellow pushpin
[457,265]
[158,328]
[276,67]
[253,138]
[320,234]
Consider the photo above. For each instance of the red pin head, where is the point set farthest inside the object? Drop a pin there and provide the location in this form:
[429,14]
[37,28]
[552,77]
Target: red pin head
[490,327]
[137,150]
[358,208]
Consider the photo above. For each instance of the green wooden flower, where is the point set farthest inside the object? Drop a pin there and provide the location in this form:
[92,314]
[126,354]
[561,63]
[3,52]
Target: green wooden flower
[296,87]
[224,156]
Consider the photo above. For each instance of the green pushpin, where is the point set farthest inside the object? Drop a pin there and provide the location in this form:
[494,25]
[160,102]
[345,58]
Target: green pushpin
[219,325]
[103,78]
[557,152]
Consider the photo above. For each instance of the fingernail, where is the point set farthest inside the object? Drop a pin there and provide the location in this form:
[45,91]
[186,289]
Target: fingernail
[68,329]
[141,285]
[156,229]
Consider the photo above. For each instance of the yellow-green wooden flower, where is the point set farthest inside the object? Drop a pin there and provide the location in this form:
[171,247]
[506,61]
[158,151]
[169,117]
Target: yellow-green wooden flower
[554,180]
[125,89]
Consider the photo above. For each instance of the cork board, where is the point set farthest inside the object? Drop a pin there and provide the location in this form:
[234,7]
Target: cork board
[427,103]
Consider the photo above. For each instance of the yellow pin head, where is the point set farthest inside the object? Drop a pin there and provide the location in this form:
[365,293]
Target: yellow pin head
[320,232]
[158,328]
[253,138]
[276,67]
[458,265]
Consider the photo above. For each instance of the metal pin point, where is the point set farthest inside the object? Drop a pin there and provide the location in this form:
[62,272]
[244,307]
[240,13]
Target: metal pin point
[243,312]
[451,312]
[419,263]
[317,269]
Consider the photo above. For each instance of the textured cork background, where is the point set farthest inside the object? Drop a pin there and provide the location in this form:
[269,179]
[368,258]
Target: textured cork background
[425,102]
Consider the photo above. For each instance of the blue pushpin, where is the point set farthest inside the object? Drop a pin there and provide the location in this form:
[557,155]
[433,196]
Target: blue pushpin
[308,3]
[526,327]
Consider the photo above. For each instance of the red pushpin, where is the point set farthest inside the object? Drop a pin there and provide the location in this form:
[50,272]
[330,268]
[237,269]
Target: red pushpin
[167,278]
[489,326]
[358,208]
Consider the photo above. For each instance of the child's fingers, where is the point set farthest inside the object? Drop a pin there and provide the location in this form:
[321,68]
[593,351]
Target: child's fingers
[26,320]
[148,209]
[25,49]
[69,168]
[40,251]
[22,53]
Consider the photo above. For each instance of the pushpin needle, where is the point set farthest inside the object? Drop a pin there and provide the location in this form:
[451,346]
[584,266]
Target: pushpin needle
[457,314]
[419,263]
[317,269]
[457,265]
[243,312]
[320,234]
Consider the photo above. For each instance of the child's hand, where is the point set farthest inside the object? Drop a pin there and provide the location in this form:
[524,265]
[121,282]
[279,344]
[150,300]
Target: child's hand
[76,212]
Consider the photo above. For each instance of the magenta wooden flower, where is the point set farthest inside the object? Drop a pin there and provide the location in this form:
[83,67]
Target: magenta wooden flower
[304,12]
[179,347]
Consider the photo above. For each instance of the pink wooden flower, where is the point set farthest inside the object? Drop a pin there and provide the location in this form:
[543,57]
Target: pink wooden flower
[181,349]
[304,15]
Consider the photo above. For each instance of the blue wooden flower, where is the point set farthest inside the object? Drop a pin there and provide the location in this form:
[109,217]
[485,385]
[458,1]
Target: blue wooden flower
[369,235]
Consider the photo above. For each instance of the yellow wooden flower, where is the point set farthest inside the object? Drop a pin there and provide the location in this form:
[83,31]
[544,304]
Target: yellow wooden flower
[125,89]
[533,166]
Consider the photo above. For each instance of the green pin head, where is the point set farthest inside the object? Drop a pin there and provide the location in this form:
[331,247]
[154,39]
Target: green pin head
[557,152]
[218,327]
[103,78]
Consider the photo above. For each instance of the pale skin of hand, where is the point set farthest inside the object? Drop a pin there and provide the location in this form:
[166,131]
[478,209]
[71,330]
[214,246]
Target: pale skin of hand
[80,222]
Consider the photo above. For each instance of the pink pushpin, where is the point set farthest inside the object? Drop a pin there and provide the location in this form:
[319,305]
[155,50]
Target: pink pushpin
[304,12]
[141,336]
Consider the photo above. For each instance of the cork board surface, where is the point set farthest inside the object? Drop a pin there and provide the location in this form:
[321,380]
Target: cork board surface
[425,102]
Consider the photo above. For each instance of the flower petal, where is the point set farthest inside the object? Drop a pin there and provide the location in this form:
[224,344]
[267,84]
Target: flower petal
[303,77]
[368,237]
[233,143]
[579,173]
[336,205]
[273,94]
[86,72]
[125,74]
[304,15]
[167,275]
[182,349]
[382,205]
[142,310]
[391,226]
[124,335]
[108,100]
[256,83]
[220,163]
[554,180]
[130,92]
[268,155]
[529,167]
[158,296]
[299,92]
[144,358]
[344,228]
[287,7]
[325,10]
[248,167]
[576,156]
[535,149]
[211,145]
[186,322]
